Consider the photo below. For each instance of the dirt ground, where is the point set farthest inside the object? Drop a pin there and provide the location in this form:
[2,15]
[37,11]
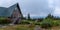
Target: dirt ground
[25,27]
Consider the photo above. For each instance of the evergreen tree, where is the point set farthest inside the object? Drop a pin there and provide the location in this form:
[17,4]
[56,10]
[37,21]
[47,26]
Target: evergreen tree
[50,16]
[28,16]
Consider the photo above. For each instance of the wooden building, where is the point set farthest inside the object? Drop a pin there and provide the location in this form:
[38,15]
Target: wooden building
[13,13]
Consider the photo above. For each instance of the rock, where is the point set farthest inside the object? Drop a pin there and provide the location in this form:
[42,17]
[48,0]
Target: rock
[37,28]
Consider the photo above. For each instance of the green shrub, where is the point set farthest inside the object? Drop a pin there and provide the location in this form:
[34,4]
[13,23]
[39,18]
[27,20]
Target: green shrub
[49,23]
[25,22]
[4,21]
[37,23]
[55,23]
[52,22]
[45,25]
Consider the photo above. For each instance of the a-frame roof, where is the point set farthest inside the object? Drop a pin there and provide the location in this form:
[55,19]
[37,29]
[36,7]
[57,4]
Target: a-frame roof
[7,12]
[19,9]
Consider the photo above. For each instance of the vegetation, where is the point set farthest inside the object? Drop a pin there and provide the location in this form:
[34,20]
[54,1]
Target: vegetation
[29,17]
[25,22]
[4,20]
[48,22]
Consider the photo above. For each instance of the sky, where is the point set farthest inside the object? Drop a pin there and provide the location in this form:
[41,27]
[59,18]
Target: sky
[35,7]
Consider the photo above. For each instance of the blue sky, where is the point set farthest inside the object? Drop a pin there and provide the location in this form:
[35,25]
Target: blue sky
[35,7]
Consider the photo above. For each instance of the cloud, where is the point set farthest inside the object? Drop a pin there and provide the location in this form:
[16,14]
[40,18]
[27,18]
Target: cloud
[56,8]
[57,11]
[35,7]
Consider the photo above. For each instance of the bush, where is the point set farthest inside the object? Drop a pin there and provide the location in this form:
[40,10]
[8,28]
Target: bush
[4,21]
[25,22]
[49,23]
[45,25]
[55,23]
[37,23]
